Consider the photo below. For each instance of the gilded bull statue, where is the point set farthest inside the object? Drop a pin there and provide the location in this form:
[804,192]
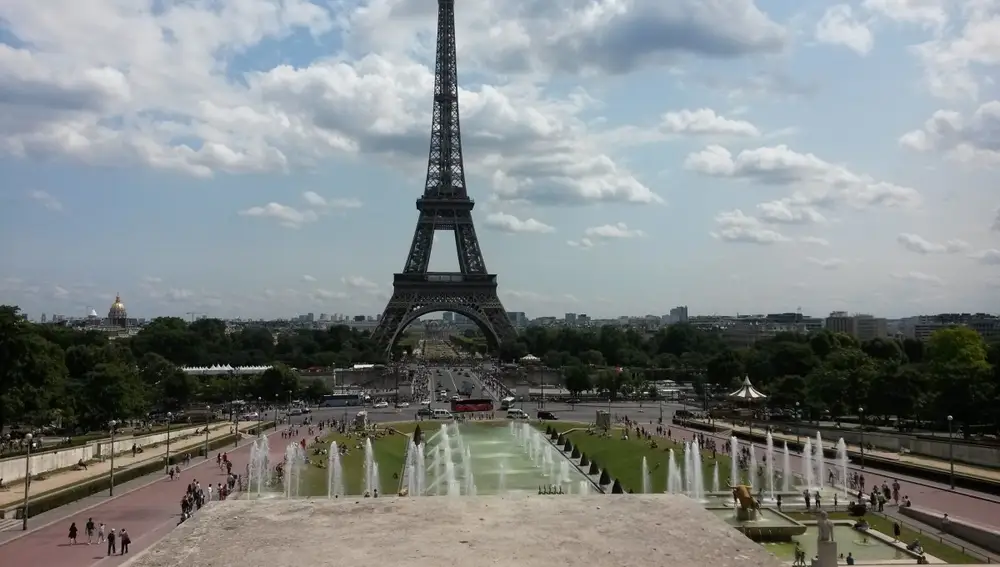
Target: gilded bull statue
[746,505]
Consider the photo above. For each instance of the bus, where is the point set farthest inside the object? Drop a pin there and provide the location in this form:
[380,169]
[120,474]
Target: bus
[506,403]
[342,400]
[471,405]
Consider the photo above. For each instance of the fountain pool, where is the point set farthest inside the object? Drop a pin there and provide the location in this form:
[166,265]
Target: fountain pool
[770,525]
[848,540]
[473,458]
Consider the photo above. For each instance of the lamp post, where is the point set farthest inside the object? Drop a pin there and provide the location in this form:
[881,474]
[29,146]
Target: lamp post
[27,483]
[170,418]
[111,473]
[260,414]
[861,414]
[276,412]
[951,454]
[798,425]
[208,413]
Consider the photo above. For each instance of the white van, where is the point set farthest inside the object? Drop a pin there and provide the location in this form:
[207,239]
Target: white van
[516,413]
[506,402]
[442,414]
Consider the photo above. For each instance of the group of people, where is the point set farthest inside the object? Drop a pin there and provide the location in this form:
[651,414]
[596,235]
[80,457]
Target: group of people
[98,533]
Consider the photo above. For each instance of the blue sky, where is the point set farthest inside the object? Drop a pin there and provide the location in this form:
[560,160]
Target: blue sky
[261,157]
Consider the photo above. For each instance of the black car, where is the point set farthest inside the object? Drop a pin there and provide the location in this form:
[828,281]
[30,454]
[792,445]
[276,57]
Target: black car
[573,401]
[547,415]
[425,412]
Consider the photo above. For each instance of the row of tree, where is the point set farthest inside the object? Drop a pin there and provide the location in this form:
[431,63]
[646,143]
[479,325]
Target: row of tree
[78,380]
[830,375]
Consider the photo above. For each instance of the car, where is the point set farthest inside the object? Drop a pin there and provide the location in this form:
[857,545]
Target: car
[547,415]
[380,405]
[403,405]
[425,403]
[425,412]
[573,401]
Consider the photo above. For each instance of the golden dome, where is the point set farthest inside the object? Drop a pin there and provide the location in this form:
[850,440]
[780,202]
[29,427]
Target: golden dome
[117,310]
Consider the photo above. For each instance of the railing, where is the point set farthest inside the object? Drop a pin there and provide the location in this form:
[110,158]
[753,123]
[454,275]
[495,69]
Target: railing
[935,534]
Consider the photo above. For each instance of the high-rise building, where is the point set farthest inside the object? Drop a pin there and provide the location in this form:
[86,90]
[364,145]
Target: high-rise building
[678,315]
[571,319]
[860,326]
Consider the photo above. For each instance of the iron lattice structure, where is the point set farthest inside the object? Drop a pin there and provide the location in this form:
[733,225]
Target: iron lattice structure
[445,206]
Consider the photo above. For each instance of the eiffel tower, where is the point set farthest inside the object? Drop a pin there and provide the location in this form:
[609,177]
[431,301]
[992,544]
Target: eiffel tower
[445,206]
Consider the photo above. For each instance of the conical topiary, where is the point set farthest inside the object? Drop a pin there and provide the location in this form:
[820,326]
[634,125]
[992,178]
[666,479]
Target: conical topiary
[548,430]
[605,478]
[594,469]
[584,461]
[576,453]
[561,439]
[568,446]
[616,488]
[417,435]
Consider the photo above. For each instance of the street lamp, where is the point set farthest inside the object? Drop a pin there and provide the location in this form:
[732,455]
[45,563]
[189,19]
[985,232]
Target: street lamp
[260,414]
[861,414]
[208,413]
[798,424]
[27,483]
[111,473]
[276,412]
[170,418]
[951,454]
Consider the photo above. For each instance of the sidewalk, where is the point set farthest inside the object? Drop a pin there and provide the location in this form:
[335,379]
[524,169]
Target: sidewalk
[57,481]
[855,451]
[924,530]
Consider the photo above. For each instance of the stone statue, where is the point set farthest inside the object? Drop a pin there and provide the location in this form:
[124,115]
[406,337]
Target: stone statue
[825,527]
[741,495]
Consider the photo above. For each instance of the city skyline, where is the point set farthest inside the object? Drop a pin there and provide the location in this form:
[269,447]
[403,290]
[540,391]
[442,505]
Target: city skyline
[262,158]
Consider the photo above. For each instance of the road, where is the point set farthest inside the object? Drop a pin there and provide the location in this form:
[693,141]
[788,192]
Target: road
[148,513]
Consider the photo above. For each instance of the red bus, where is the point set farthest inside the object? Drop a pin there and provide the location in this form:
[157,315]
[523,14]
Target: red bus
[471,405]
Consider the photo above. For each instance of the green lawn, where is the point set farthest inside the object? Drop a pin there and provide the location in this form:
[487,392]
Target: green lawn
[931,545]
[389,453]
[623,459]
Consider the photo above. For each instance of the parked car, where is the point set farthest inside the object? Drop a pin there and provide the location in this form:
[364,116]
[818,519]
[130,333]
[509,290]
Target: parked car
[380,405]
[547,415]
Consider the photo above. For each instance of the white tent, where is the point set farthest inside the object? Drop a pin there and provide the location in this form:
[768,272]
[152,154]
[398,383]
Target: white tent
[747,392]
[529,359]
[218,369]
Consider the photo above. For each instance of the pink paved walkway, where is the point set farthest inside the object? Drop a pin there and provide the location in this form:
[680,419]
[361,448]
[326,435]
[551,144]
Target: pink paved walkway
[981,511]
[147,513]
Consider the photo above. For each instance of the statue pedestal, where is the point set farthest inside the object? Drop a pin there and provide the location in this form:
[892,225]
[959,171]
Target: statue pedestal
[827,553]
[745,514]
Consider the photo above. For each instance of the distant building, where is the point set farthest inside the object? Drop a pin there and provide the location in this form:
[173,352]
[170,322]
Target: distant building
[117,316]
[860,326]
[922,327]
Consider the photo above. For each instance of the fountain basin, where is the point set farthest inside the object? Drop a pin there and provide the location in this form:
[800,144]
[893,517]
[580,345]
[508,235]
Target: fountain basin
[769,525]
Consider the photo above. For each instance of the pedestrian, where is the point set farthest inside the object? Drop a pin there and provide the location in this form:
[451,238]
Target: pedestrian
[72,533]
[125,541]
[896,531]
[90,531]
[100,534]
[111,542]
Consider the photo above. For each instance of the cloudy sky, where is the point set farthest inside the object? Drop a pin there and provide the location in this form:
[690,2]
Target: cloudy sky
[262,157]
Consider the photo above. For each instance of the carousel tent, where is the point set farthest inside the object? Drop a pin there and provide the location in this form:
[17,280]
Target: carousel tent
[747,393]
[529,359]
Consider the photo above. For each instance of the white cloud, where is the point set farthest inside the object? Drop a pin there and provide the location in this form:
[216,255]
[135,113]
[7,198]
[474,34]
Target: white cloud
[928,13]
[45,199]
[504,222]
[839,26]
[974,140]
[920,245]
[705,122]
[919,278]
[326,294]
[815,241]
[308,278]
[784,211]
[59,292]
[583,243]
[816,182]
[360,283]
[287,216]
[320,202]
[736,226]
[990,257]
[612,232]
[827,263]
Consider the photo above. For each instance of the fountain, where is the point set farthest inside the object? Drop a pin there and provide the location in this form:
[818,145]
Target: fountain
[820,459]
[675,483]
[416,470]
[647,483]
[502,478]
[259,467]
[807,465]
[786,471]
[334,472]
[842,462]
[715,477]
[734,455]
[752,477]
[295,460]
[372,481]
[692,471]
[770,465]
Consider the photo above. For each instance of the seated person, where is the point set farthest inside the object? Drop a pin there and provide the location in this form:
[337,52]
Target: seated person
[861,524]
[82,464]
[915,547]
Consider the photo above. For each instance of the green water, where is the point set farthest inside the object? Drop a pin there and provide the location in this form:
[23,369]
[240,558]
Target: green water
[494,449]
[765,518]
[848,540]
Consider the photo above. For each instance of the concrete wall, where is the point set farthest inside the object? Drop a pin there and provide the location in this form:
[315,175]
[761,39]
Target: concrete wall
[979,535]
[13,469]
[980,455]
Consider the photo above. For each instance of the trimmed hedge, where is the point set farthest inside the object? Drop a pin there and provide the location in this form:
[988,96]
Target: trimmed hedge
[584,461]
[575,453]
[594,469]
[44,503]
[605,478]
[568,446]
[616,488]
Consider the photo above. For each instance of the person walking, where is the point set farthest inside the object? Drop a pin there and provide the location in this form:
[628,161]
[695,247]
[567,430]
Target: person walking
[89,527]
[72,533]
[100,533]
[125,540]
[111,542]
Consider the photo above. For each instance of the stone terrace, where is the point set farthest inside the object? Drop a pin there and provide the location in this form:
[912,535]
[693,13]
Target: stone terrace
[484,531]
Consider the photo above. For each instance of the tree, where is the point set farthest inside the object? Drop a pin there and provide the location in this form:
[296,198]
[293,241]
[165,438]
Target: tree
[32,373]
[577,379]
[277,382]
